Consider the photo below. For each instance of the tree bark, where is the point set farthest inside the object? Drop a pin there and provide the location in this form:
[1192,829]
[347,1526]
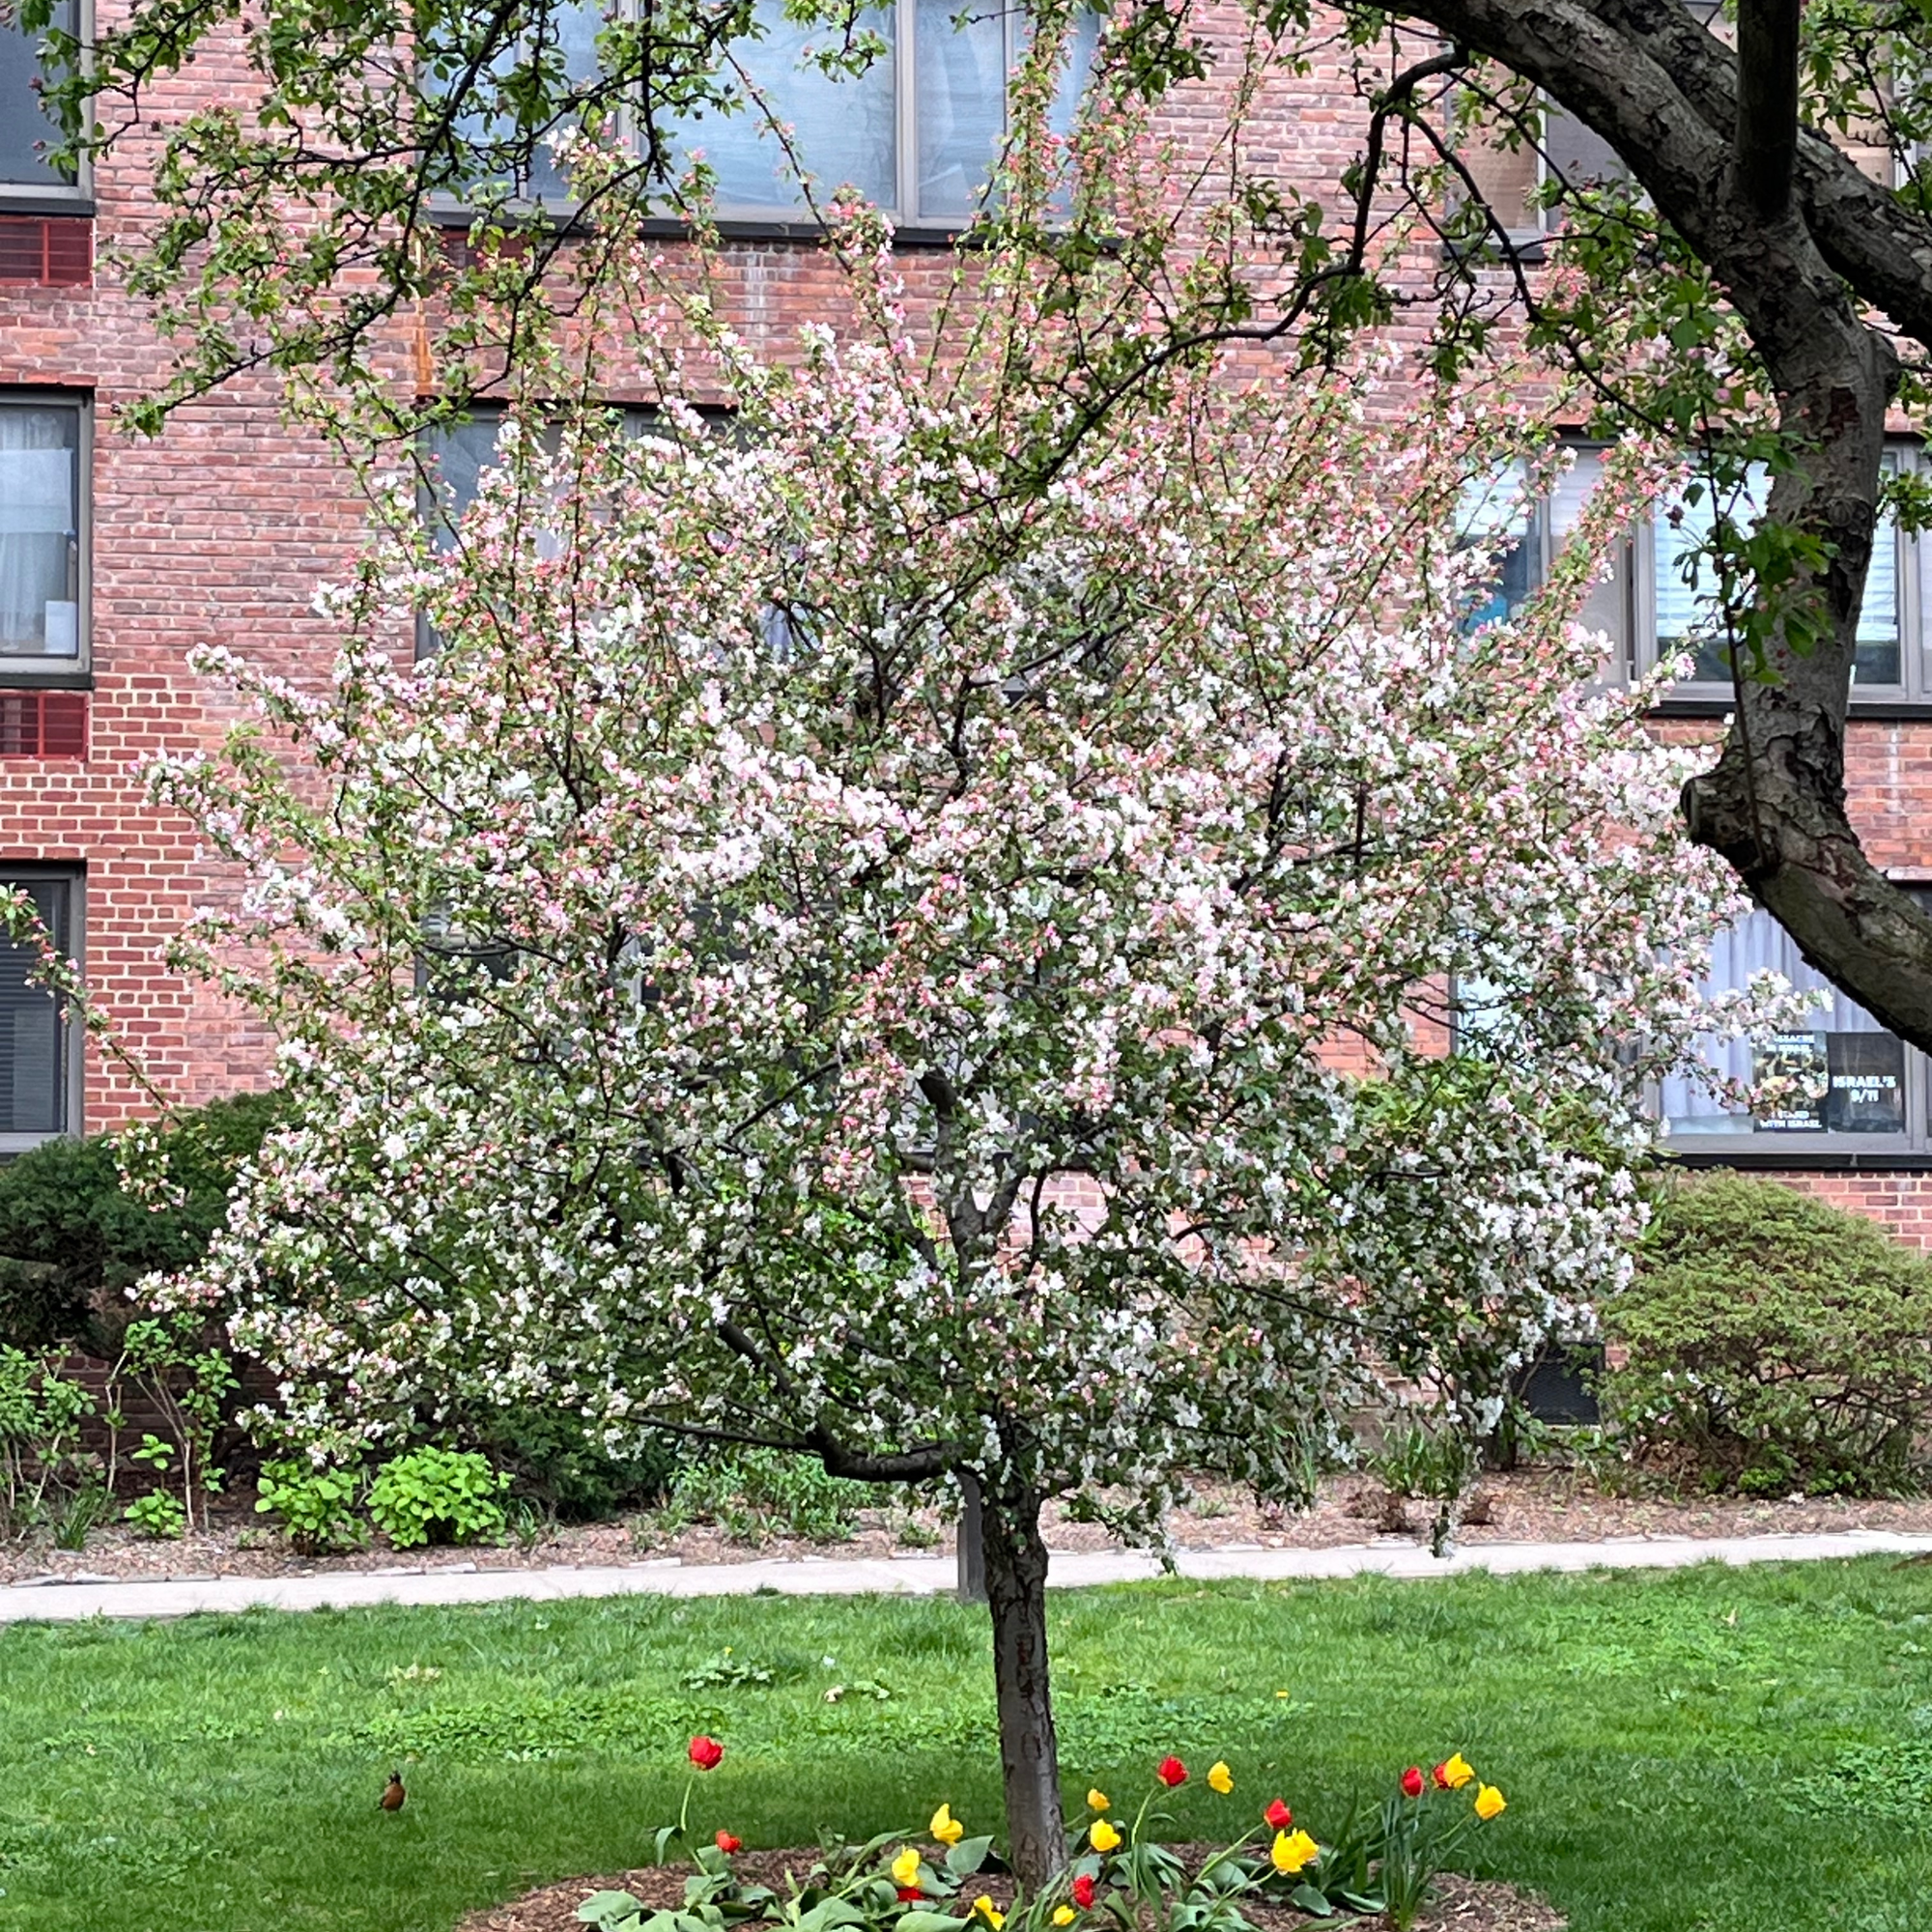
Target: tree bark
[972,1547]
[1029,1746]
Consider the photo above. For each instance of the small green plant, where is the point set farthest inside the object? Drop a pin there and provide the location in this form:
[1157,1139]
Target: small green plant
[315,1505]
[80,1515]
[726,1672]
[187,1377]
[160,1514]
[41,1460]
[1433,1461]
[438,1496]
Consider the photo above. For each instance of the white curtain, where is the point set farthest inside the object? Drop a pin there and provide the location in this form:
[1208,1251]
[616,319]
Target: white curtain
[961,95]
[1758,944]
[842,125]
[1684,616]
[38,458]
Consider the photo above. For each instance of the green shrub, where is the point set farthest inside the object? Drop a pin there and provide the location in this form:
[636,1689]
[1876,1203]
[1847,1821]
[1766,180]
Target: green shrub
[316,1507]
[71,1238]
[557,1463]
[755,1494]
[1774,1344]
[438,1496]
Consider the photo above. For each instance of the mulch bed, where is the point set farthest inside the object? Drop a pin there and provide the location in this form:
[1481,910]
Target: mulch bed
[1460,1905]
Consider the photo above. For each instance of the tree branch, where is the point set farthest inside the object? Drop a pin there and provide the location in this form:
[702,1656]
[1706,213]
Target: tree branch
[1766,141]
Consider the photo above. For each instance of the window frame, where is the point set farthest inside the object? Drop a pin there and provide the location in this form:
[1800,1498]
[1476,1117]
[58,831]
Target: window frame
[71,1036]
[24,671]
[58,197]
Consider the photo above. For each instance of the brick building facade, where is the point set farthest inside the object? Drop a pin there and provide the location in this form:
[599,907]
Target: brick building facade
[117,555]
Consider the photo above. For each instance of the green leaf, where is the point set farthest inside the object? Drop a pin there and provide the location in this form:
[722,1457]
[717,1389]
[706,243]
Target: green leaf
[968,1855]
[1311,1901]
[610,1908]
[828,1912]
[927,1921]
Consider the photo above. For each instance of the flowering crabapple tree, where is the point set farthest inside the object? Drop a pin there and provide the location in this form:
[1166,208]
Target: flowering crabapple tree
[900,933]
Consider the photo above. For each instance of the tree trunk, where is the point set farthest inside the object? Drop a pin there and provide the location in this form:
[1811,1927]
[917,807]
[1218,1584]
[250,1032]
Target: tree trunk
[972,1547]
[1028,1749]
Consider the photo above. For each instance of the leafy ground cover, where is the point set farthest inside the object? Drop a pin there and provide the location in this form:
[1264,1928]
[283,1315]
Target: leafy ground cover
[1708,1751]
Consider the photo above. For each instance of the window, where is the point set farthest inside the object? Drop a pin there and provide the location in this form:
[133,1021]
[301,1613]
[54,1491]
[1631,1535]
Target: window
[1840,1083]
[42,457]
[40,1067]
[27,134]
[1680,617]
[1496,506]
[917,132]
[1649,611]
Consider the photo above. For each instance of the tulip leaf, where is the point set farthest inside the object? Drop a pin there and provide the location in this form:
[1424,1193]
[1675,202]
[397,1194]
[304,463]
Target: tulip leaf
[927,1921]
[609,1909]
[968,1855]
[1311,1901]
[829,1912]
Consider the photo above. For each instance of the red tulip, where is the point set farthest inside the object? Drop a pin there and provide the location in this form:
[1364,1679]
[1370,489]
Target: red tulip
[728,1844]
[910,1895]
[1083,1893]
[1441,1775]
[705,1752]
[1411,1781]
[1170,1772]
[1278,1815]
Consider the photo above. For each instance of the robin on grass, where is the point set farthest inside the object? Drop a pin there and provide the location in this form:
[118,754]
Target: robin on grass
[393,1793]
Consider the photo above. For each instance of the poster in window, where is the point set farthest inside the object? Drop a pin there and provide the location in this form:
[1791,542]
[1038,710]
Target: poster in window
[1793,1072]
[1868,1084]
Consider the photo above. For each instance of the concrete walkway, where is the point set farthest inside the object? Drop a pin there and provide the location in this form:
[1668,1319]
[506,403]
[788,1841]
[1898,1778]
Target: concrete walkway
[60,1600]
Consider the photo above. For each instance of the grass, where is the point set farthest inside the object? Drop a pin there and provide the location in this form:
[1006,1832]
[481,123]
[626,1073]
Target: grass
[1707,1751]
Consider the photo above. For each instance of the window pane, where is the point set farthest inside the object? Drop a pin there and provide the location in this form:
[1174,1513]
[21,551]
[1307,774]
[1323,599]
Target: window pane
[565,35]
[1684,616]
[23,121]
[458,455]
[570,35]
[1489,509]
[842,125]
[39,521]
[961,99]
[1602,607]
[33,1061]
[1844,1074]
[1083,42]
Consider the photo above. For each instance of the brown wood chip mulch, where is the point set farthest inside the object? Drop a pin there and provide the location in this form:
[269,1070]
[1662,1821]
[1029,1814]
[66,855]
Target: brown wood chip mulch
[1460,1904]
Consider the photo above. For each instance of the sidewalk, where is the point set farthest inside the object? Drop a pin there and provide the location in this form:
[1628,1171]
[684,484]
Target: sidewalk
[59,1601]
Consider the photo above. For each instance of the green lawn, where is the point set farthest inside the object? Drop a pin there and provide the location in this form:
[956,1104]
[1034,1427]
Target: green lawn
[1706,1751]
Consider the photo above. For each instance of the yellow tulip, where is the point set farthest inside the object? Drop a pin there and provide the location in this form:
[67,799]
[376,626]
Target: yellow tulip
[1098,1800]
[945,1828]
[985,1907]
[1292,1850]
[905,1868]
[1104,1837]
[1063,1914]
[1220,1778]
[1457,1772]
[1488,1801]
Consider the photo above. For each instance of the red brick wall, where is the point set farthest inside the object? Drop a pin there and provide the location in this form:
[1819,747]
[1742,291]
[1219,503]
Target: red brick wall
[220,530]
